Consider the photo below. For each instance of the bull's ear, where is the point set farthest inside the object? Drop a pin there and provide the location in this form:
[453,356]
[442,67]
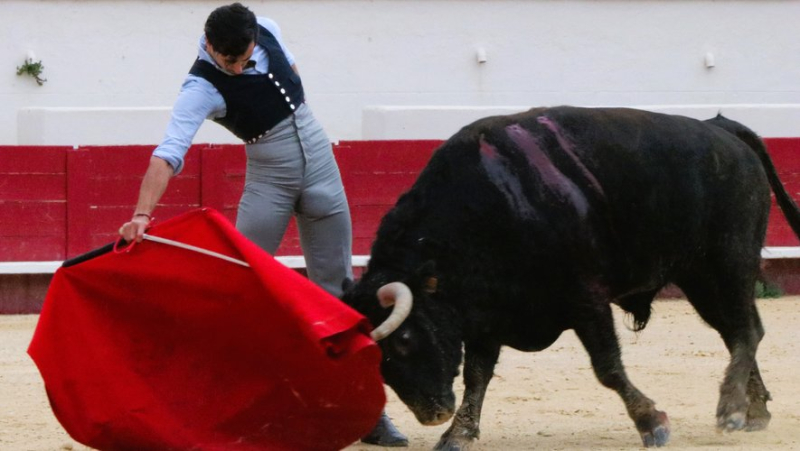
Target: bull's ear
[427,277]
[430,285]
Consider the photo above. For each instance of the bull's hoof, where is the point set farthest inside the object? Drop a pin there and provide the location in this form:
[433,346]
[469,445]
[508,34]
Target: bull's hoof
[459,436]
[733,422]
[657,431]
[453,444]
[757,424]
[757,417]
[657,437]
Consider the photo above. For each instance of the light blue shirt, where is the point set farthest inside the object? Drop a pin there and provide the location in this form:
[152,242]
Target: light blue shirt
[199,100]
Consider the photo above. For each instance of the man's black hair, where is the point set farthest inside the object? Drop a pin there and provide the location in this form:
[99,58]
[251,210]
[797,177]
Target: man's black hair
[230,29]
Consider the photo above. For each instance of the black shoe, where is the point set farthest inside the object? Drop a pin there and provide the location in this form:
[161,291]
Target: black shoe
[385,434]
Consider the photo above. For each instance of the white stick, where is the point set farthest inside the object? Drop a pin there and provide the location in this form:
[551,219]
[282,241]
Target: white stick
[194,248]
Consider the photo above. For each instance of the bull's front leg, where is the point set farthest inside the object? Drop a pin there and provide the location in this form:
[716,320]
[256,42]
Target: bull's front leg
[595,329]
[479,362]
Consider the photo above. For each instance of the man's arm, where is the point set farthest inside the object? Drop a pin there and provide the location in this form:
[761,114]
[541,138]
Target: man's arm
[153,186]
[198,99]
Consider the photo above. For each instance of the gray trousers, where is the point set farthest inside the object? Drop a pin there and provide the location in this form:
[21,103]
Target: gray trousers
[292,171]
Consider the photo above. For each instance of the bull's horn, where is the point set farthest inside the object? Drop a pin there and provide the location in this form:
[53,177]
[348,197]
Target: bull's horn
[399,295]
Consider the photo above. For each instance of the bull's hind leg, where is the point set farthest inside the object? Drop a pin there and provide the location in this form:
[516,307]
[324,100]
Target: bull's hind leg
[595,328]
[757,414]
[727,304]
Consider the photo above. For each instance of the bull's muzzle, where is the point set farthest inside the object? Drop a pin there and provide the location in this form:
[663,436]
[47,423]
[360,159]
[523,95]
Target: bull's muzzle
[433,417]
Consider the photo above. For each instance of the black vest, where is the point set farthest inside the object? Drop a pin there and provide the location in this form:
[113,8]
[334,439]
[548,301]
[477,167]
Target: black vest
[256,103]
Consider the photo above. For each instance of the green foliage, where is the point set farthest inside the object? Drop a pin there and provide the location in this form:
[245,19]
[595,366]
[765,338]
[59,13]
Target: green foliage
[766,289]
[34,69]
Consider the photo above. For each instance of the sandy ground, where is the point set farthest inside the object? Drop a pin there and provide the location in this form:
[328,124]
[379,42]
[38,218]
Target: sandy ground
[548,400]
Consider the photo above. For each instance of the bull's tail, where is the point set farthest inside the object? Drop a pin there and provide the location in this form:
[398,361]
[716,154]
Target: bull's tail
[787,204]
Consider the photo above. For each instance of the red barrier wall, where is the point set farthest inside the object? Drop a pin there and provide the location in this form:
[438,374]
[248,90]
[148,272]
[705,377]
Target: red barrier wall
[785,153]
[375,174]
[102,188]
[33,203]
[59,202]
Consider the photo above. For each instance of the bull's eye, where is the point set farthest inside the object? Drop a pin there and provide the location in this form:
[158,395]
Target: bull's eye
[401,342]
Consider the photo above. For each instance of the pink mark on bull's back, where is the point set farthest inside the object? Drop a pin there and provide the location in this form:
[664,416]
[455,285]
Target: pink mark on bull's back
[496,167]
[488,151]
[568,148]
[551,176]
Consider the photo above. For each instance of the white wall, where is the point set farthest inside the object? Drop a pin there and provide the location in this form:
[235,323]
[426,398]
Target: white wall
[114,66]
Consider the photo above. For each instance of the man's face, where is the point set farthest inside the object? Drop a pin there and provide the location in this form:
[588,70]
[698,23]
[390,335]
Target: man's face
[232,64]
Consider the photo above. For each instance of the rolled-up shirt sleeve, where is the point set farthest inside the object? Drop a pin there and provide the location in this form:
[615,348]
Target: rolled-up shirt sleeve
[197,101]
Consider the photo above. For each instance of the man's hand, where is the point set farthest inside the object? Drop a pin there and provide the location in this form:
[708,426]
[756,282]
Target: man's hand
[154,184]
[135,228]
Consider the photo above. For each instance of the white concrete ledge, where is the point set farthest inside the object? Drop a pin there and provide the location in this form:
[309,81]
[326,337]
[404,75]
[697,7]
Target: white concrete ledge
[780,252]
[388,122]
[291,261]
[424,122]
[104,126]
[29,267]
[297,261]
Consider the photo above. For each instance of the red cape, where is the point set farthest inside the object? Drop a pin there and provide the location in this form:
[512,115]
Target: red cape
[165,348]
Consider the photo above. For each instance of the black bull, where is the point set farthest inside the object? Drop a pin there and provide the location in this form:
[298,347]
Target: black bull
[523,226]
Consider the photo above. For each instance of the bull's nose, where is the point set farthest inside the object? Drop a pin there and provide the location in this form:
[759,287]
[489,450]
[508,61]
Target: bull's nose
[438,418]
[441,417]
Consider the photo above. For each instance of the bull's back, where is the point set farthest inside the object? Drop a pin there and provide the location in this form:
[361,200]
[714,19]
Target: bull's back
[664,171]
[642,191]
